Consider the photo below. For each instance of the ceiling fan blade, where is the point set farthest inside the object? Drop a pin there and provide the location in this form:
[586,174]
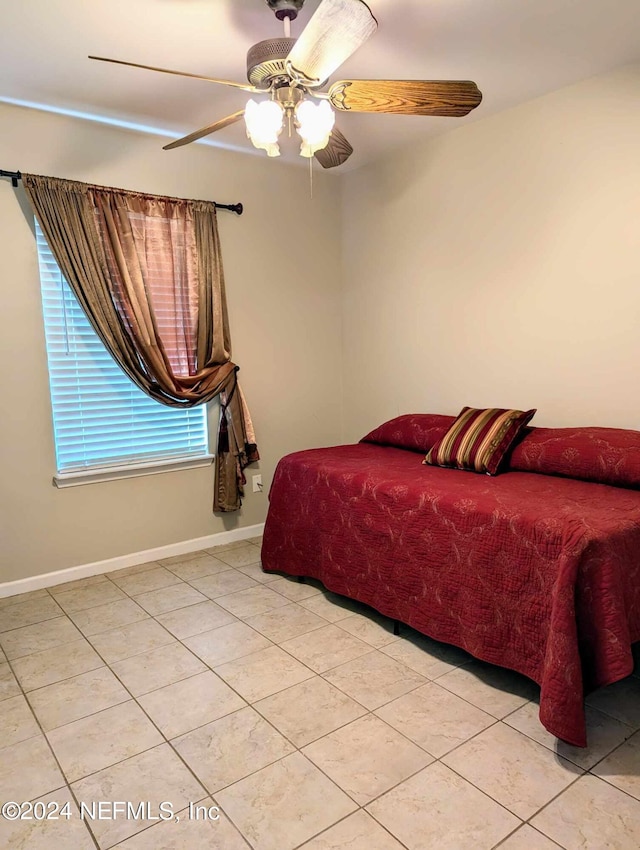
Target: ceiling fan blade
[406,97]
[338,29]
[243,86]
[205,131]
[336,152]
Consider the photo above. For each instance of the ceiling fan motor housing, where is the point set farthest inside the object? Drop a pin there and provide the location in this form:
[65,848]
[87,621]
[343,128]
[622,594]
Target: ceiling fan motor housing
[285,8]
[266,61]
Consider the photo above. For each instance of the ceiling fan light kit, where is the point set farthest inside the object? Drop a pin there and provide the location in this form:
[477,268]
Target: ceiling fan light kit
[292,73]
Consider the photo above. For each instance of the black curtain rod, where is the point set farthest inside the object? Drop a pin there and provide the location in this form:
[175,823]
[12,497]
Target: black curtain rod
[14,176]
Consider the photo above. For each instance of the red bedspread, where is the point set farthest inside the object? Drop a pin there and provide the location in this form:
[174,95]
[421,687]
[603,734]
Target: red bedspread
[532,572]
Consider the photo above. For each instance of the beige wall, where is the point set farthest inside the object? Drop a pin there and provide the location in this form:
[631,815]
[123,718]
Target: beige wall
[285,322]
[499,265]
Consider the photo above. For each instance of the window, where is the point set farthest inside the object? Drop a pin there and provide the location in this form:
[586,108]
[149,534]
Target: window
[104,426]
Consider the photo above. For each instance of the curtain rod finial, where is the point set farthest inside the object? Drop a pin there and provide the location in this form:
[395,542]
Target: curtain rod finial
[14,175]
[236,208]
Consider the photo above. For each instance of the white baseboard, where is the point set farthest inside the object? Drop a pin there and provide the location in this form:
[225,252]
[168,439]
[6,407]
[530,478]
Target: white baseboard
[24,585]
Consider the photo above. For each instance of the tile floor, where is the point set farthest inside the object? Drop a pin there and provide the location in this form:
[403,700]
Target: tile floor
[297,713]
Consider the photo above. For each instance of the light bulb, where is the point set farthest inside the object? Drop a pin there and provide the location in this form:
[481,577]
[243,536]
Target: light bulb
[264,124]
[314,124]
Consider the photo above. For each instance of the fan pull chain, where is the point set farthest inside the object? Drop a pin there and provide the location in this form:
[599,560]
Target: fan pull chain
[311,177]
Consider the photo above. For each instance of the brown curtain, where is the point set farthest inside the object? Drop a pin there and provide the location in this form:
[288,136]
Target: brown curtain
[147,271]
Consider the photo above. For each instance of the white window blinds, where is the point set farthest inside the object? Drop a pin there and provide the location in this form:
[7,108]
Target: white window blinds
[100,418]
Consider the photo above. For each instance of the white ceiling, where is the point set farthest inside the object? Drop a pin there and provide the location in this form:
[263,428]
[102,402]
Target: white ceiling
[514,50]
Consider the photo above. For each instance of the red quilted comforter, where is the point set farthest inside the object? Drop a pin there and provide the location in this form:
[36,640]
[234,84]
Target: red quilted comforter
[536,573]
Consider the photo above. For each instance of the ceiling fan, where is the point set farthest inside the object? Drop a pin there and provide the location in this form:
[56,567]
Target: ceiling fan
[289,75]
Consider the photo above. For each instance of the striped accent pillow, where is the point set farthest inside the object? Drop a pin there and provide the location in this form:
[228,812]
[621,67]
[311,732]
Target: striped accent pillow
[479,439]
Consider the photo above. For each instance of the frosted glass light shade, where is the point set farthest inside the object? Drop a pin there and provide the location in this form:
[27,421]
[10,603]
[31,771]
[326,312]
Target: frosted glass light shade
[264,122]
[314,124]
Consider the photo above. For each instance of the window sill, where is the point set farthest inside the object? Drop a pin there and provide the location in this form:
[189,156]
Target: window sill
[114,473]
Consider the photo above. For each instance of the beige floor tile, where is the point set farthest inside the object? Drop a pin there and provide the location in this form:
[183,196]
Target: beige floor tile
[622,767]
[357,832]
[89,597]
[373,628]
[49,834]
[226,547]
[326,648]
[285,804]
[223,583]
[517,772]
[134,570]
[203,565]
[17,598]
[285,623]
[435,719]
[263,673]
[17,722]
[93,743]
[54,665]
[226,643]
[195,619]
[257,541]
[110,616]
[185,705]
[95,727]
[439,809]
[239,556]
[493,689]
[132,639]
[604,734]
[182,559]
[154,776]
[294,589]
[155,669]
[527,838]
[78,697]
[256,572]
[231,748]
[169,598]
[427,657]
[77,584]
[254,600]
[9,686]
[33,610]
[620,700]
[309,710]
[39,636]
[196,829]
[28,770]
[591,815]
[332,607]
[374,679]
[366,758]
[143,582]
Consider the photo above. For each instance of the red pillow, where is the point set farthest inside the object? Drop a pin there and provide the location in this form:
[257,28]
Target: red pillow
[603,455]
[414,431]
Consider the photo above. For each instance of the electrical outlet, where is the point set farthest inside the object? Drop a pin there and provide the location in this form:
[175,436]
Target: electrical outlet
[257,483]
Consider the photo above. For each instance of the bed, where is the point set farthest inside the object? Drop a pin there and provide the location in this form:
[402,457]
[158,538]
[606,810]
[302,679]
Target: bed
[536,569]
